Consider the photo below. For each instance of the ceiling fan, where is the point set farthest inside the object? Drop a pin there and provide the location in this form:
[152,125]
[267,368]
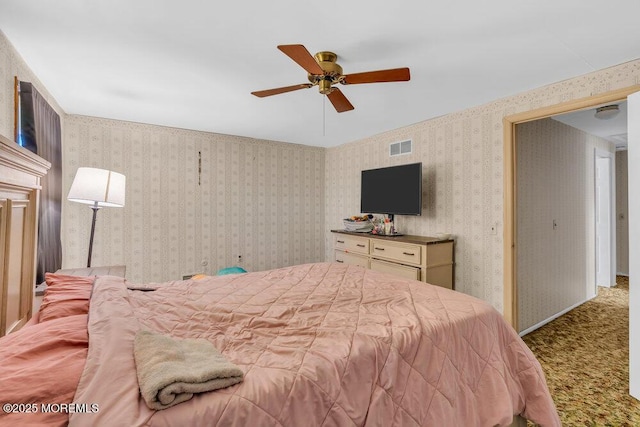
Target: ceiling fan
[325,72]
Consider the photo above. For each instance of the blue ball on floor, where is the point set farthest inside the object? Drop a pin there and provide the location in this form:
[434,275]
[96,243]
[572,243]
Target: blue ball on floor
[230,270]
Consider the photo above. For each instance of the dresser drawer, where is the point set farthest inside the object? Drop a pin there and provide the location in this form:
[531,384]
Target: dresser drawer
[395,269]
[422,258]
[353,259]
[353,244]
[397,252]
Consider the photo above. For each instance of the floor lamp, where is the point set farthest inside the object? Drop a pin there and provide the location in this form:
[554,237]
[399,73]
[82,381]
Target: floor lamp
[98,188]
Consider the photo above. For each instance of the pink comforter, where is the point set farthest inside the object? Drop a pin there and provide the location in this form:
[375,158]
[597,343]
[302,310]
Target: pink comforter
[321,345]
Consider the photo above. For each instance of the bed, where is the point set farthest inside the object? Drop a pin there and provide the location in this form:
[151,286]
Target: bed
[321,344]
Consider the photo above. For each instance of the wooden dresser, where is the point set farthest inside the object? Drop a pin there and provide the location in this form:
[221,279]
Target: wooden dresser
[20,175]
[427,259]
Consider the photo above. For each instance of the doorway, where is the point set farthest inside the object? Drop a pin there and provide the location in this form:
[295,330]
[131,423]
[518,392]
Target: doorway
[509,241]
[510,311]
[605,232]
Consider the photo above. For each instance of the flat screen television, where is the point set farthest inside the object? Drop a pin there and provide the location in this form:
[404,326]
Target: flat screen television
[395,190]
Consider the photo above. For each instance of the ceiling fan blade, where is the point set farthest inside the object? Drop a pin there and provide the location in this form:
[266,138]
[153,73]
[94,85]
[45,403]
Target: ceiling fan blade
[276,91]
[302,57]
[381,76]
[339,101]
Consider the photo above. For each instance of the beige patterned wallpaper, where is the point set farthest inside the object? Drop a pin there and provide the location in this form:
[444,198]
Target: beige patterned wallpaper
[462,156]
[461,153]
[260,200]
[555,185]
[622,213]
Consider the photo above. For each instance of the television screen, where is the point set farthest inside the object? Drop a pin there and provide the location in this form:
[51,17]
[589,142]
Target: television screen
[395,190]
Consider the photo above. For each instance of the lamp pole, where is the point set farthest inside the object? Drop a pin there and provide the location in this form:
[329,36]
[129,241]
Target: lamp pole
[95,208]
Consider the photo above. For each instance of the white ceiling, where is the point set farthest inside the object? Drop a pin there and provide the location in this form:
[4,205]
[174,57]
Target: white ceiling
[192,64]
[613,129]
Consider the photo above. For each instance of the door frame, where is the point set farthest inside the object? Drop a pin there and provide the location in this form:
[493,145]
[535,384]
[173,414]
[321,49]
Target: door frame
[510,310]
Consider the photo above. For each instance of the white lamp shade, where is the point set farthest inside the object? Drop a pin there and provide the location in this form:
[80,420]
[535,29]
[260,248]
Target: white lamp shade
[92,185]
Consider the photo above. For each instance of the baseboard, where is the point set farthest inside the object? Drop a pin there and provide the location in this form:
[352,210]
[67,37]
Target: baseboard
[622,274]
[555,316]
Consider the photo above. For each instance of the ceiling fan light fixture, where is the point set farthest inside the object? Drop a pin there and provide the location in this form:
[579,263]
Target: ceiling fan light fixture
[607,112]
[323,71]
[324,86]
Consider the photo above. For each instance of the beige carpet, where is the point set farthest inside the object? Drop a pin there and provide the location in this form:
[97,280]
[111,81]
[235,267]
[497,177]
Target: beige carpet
[584,354]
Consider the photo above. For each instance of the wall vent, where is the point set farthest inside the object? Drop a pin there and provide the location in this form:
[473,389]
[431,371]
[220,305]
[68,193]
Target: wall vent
[400,148]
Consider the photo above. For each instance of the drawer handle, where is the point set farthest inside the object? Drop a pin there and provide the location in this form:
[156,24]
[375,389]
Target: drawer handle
[360,245]
[379,249]
[339,260]
[340,241]
[408,253]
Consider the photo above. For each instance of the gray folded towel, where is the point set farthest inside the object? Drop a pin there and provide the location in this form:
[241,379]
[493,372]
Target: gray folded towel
[171,370]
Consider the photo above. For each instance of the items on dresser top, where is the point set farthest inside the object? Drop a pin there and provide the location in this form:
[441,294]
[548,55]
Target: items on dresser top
[359,223]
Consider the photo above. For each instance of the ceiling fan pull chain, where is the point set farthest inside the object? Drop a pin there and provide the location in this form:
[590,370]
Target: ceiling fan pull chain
[324,102]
